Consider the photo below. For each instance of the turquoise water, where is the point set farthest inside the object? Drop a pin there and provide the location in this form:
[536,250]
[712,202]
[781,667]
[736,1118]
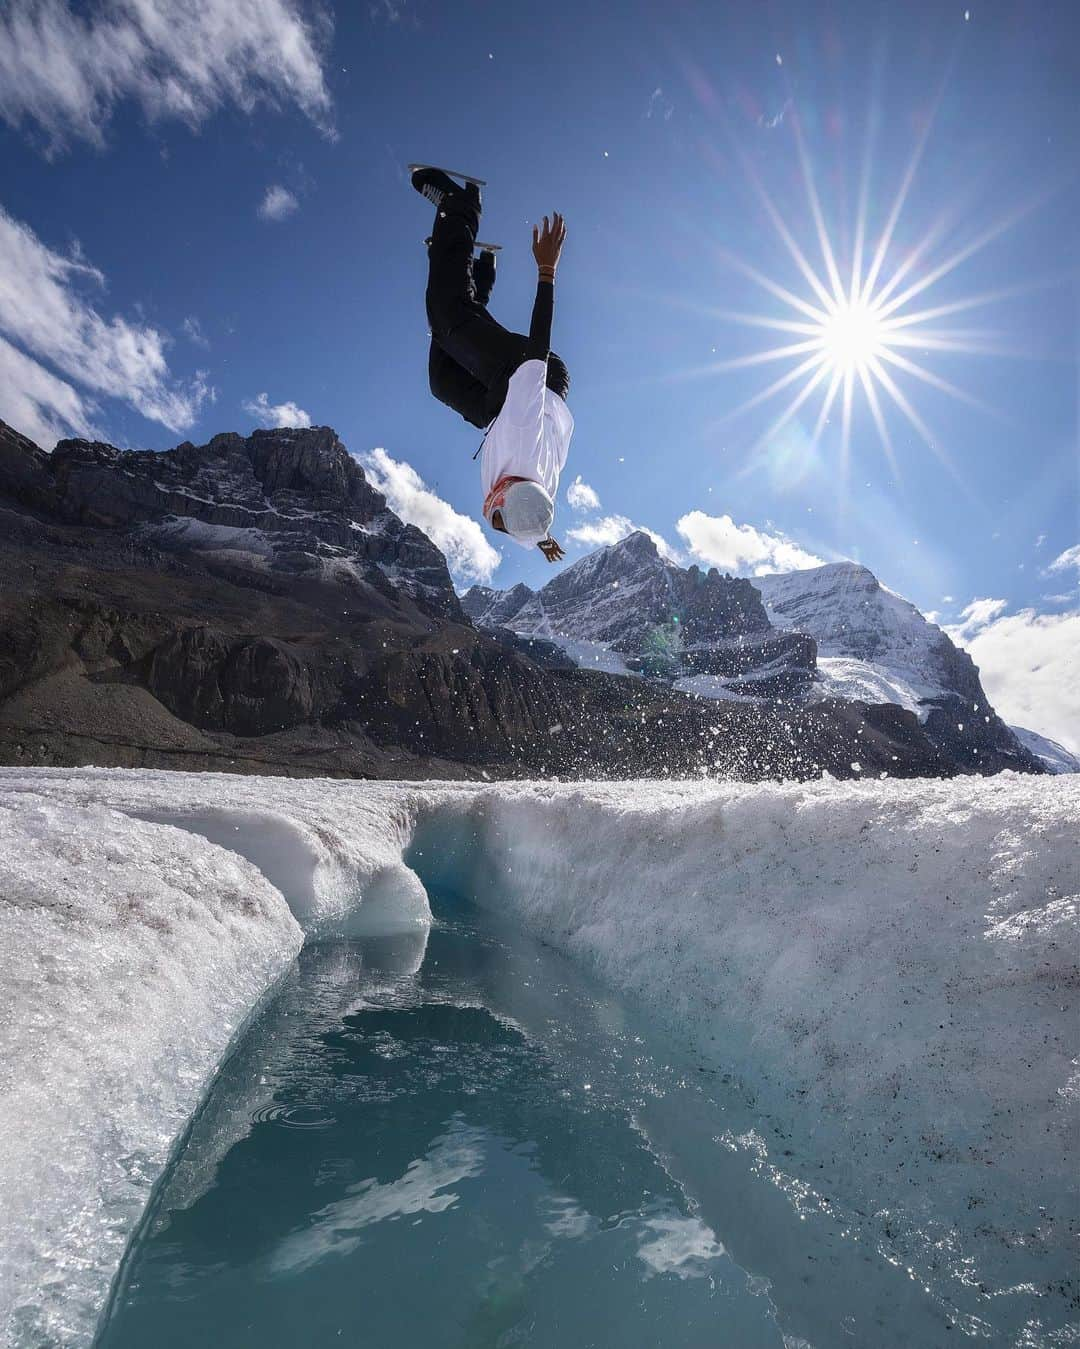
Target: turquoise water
[464,1141]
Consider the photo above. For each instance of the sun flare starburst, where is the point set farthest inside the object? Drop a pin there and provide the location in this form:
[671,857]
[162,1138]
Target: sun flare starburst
[851,332]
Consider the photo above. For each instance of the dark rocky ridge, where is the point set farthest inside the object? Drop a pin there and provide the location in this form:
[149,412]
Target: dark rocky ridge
[252,605]
[293,502]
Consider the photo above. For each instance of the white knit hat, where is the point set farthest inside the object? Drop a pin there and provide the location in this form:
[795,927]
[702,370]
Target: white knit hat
[527,513]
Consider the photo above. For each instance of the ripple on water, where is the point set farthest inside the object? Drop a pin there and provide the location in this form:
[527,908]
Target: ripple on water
[292,1117]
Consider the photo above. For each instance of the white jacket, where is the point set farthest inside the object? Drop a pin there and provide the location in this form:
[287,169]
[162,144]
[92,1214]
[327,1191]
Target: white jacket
[531,435]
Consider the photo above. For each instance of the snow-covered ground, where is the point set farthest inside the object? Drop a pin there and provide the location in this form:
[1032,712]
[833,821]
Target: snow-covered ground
[890,967]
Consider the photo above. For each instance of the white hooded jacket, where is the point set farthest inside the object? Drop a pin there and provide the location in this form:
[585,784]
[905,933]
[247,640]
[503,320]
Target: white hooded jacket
[530,437]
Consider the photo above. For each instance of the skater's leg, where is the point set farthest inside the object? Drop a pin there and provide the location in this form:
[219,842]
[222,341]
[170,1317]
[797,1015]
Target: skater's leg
[483,275]
[450,298]
[459,324]
[456,387]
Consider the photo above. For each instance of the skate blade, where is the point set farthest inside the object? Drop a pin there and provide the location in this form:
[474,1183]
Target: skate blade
[484,248]
[479,182]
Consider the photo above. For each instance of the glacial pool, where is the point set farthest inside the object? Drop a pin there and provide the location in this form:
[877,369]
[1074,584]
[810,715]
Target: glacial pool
[458,1138]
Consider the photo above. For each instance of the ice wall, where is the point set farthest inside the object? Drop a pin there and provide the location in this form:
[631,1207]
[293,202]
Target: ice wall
[890,969]
[130,953]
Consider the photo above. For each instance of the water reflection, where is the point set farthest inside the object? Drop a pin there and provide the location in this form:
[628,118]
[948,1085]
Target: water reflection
[337,1229]
[463,1109]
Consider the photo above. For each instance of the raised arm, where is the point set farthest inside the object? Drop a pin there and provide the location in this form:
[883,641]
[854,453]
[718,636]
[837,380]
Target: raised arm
[547,245]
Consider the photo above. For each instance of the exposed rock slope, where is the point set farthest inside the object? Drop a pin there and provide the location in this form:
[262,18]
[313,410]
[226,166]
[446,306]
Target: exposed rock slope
[253,605]
[831,633]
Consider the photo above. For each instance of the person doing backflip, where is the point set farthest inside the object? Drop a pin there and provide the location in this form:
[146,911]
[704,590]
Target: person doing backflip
[509,383]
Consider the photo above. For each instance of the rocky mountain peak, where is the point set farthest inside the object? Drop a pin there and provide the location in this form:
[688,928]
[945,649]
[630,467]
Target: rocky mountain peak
[287,501]
[629,607]
[492,608]
[639,546]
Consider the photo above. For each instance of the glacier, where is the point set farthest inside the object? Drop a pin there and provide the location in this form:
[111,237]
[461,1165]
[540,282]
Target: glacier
[889,969]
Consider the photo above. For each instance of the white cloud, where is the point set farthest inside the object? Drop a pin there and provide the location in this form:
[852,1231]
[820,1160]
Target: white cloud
[581,497]
[39,404]
[65,71]
[1030,666]
[975,616]
[1066,561]
[719,541]
[278,203]
[194,333]
[276,414]
[468,554]
[611,528]
[44,313]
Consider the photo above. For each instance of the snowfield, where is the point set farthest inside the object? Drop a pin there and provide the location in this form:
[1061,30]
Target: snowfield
[889,969]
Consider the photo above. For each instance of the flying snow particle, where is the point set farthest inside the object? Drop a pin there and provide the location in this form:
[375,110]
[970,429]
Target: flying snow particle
[967,15]
[779,59]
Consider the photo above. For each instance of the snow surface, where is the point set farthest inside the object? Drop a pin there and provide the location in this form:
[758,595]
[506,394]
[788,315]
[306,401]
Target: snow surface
[200,536]
[712,686]
[889,967]
[1056,758]
[591,655]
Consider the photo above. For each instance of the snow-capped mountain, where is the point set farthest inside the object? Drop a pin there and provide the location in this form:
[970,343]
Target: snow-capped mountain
[625,609]
[830,633]
[875,646]
[870,641]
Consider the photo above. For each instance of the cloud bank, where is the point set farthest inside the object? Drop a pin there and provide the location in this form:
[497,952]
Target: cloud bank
[469,555]
[46,318]
[719,541]
[276,414]
[1029,664]
[64,68]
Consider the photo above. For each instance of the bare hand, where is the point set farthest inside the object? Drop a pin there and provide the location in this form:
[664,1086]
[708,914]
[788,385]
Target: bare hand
[548,242]
[551,550]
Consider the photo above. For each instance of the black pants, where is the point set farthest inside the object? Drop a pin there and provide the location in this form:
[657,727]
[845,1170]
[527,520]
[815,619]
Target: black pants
[472,356]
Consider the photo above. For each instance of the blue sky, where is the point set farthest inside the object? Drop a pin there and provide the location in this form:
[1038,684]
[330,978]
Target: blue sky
[143,278]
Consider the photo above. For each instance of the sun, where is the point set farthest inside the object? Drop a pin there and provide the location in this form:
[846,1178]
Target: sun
[853,336]
[851,330]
